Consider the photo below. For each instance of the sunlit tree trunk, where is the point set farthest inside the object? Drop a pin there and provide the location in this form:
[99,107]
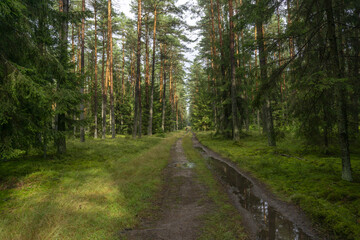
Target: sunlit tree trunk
[164,92]
[147,61]
[110,71]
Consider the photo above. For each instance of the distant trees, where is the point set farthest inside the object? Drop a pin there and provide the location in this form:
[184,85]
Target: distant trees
[50,88]
[295,68]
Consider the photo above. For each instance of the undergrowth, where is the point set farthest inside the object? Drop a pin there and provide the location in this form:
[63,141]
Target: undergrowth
[223,222]
[300,175]
[97,189]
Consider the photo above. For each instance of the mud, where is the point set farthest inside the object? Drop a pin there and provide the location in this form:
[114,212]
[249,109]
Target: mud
[264,216]
[183,201]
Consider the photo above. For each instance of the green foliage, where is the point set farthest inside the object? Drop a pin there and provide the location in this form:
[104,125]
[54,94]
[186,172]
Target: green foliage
[303,176]
[201,112]
[31,72]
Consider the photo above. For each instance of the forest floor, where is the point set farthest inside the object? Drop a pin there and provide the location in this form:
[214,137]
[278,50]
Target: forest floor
[302,175]
[93,191]
[191,204]
[101,188]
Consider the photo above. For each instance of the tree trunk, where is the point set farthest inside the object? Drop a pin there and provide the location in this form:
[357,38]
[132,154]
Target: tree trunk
[340,94]
[263,73]
[123,72]
[213,66]
[161,71]
[355,80]
[110,72]
[152,77]
[138,77]
[95,77]
[235,128]
[147,61]
[104,92]
[60,127]
[223,115]
[82,130]
[289,22]
[164,93]
[73,46]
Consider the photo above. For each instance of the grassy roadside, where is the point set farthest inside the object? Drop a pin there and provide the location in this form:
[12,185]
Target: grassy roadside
[312,181]
[97,189]
[223,222]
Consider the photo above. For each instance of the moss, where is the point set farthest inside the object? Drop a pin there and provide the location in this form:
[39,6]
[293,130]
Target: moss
[302,175]
[98,188]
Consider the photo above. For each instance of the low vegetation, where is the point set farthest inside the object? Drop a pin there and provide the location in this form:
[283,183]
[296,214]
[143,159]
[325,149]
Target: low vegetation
[300,174]
[223,222]
[97,189]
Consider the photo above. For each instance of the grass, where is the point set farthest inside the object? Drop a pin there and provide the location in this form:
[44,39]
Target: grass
[224,221]
[97,189]
[307,178]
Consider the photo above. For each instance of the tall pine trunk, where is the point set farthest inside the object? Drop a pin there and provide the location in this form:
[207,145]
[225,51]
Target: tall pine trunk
[235,127]
[95,77]
[60,127]
[104,92]
[138,77]
[163,112]
[152,78]
[110,72]
[267,111]
[147,60]
[213,65]
[82,117]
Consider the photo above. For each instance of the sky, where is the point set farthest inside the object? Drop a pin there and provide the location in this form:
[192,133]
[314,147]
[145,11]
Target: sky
[124,6]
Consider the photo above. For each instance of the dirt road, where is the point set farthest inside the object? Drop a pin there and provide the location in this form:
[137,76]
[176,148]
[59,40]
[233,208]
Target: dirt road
[183,201]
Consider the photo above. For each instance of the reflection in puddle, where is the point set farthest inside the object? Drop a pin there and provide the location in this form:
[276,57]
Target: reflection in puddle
[184,165]
[273,225]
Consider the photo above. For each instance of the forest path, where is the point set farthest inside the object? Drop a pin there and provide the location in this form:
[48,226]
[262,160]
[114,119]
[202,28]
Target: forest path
[183,201]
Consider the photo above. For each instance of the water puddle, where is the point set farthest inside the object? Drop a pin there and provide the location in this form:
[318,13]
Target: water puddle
[271,224]
[184,165]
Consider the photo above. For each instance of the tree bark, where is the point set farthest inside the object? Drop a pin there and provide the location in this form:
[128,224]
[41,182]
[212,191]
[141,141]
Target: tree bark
[340,94]
[235,127]
[82,117]
[138,77]
[147,60]
[110,72]
[60,118]
[104,91]
[95,77]
[213,66]
[267,111]
[123,72]
[164,93]
[152,77]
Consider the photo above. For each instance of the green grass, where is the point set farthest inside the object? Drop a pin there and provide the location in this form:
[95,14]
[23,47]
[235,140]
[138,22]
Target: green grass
[97,189]
[223,222]
[312,182]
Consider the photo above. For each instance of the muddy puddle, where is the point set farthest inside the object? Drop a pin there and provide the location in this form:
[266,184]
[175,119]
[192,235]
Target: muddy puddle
[264,220]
